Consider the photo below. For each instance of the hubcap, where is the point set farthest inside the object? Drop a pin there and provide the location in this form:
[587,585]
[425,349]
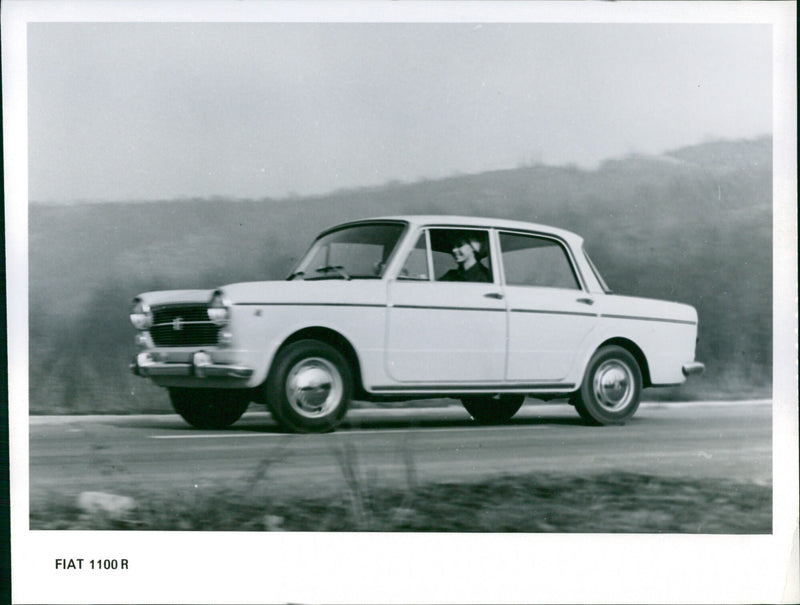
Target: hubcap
[314,387]
[613,385]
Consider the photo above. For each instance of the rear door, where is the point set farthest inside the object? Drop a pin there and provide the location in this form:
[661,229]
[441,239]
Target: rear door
[549,314]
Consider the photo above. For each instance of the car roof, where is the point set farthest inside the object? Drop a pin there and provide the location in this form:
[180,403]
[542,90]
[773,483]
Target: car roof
[449,220]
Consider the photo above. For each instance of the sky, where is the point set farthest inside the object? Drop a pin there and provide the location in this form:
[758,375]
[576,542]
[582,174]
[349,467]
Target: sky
[145,111]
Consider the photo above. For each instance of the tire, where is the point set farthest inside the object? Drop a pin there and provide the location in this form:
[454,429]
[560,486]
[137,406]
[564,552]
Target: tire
[611,388]
[309,387]
[209,408]
[492,409]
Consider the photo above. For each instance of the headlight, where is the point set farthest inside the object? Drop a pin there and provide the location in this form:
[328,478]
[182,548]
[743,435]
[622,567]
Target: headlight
[219,309]
[141,315]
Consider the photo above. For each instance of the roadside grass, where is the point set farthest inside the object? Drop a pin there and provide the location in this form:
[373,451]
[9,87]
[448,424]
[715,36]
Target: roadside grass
[535,503]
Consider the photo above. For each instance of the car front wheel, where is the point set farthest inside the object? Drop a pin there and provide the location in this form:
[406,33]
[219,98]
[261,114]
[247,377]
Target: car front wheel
[309,387]
[492,409]
[611,387]
[209,408]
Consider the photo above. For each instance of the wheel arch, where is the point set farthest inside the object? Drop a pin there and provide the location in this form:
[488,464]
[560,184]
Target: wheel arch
[634,350]
[336,340]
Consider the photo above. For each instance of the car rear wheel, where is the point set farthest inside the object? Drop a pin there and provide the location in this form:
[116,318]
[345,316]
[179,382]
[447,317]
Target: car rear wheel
[611,387]
[309,387]
[209,408]
[492,409]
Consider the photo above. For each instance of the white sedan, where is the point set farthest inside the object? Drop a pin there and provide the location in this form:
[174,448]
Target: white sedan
[389,309]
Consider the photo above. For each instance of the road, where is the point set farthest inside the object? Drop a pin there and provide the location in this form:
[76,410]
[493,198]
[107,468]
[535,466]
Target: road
[68,454]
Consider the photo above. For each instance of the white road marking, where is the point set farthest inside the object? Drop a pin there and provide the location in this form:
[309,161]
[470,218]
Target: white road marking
[477,427]
[214,436]
[34,420]
[697,404]
[345,431]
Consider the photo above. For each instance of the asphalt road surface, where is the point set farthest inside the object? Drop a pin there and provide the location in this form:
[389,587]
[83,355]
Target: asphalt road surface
[69,454]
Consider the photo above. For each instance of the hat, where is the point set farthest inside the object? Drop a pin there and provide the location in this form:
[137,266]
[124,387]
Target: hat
[472,238]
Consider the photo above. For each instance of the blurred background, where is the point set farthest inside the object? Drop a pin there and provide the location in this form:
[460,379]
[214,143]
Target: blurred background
[693,225]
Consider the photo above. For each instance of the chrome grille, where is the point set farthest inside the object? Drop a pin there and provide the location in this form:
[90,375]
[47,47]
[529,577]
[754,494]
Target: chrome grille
[183,326]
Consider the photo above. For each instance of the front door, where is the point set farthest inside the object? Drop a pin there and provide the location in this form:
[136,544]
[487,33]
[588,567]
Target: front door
[447,319]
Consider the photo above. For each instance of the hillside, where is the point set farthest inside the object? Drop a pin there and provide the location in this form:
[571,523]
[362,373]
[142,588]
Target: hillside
[693,225]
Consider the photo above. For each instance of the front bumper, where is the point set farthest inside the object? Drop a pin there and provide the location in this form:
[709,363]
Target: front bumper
[694,367]
[200,366]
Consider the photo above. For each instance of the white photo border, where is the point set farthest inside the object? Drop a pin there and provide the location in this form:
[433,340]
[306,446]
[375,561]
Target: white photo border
[180,567]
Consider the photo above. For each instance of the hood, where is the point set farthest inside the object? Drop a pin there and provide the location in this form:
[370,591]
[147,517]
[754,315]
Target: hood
[277,292]
[299,291]
[171,297]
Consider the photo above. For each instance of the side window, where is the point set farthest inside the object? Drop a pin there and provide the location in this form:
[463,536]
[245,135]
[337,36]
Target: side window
[461,255]
[536,261]
[416,265]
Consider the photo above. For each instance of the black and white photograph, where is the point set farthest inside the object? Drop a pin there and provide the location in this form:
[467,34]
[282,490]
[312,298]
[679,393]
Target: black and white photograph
[401,302]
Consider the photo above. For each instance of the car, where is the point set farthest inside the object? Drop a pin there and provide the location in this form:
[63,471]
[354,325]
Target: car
[488,311]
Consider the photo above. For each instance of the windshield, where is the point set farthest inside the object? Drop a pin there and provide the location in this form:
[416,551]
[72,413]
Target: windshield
[356,252]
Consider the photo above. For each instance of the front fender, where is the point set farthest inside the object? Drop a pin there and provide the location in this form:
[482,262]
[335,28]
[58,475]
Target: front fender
[262,331]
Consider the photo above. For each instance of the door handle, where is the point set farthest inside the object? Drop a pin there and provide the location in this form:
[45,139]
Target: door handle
[496,295]
[585,301]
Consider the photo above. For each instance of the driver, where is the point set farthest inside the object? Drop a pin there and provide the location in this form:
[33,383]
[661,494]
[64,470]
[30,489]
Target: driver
[466,252]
